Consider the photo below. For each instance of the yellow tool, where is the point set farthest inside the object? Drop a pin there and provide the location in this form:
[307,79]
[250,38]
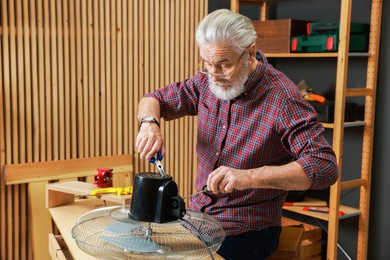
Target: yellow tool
[118,191]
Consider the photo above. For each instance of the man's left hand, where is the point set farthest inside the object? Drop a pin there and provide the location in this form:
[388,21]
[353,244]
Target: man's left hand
[225,179]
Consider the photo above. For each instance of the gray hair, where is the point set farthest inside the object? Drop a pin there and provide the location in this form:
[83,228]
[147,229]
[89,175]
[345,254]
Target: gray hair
[224,26]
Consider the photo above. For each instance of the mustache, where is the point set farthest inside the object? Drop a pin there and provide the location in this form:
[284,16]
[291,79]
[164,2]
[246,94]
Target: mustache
[221,83]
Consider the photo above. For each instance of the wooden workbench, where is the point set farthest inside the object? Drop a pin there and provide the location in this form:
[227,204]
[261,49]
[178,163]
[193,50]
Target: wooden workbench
[65,217]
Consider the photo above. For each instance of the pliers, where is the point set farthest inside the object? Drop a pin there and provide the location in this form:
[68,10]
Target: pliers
[158,163]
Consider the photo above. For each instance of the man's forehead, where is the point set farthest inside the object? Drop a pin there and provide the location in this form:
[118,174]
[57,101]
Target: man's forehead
[216,52]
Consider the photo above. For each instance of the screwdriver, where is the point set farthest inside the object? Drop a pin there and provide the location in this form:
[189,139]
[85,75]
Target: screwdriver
[205,189]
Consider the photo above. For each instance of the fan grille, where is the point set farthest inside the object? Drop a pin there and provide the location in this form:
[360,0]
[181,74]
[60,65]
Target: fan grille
[109,233]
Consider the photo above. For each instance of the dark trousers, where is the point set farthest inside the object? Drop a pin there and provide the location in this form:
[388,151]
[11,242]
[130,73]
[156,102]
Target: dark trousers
[251,245]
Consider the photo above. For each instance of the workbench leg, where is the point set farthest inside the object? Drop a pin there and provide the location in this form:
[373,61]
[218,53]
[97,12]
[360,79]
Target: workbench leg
[40,221]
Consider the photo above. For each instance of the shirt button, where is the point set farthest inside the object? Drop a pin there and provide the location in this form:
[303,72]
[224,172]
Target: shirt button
[216,153]
[224,126]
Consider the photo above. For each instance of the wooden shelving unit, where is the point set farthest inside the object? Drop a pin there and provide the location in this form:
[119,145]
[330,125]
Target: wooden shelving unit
[314,55]
[341,93]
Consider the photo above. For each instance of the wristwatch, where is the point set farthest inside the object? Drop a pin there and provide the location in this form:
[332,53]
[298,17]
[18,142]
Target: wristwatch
[149,119]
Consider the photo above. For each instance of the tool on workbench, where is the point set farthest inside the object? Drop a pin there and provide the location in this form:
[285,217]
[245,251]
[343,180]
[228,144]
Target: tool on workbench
[205,189]
[308,92]
[118,191]
[157,160]
[104,178]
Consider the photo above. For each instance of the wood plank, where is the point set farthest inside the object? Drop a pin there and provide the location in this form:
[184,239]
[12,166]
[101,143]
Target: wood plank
[55,81]
[84,29]
[28,90]
[348,212]
[80,84]
[358,92]
[67,82]
[351,184]
[40,220]
[118,121]
[73,81]
[63,193]
[43,171]
[368,134]
[125,64]
[102,92]
[47,98]
[2,133]
[308,202]
[338,130]
[135,83]
[108,86]
[90,75]
[60,85]
[14,126]
[113,91]
[97,77]
[34,81]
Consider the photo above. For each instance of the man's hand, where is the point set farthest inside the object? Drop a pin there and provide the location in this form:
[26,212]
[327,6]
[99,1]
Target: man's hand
[225,179]
[290,176]
[149,140]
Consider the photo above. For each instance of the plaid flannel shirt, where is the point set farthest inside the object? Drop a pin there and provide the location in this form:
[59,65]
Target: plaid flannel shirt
[269,124]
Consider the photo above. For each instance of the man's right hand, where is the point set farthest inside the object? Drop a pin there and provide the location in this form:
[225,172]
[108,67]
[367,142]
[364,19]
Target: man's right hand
[149,140]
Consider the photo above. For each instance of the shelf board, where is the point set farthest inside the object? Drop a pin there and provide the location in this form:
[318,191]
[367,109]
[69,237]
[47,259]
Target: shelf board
[346,124]
[314,55]
[349,212]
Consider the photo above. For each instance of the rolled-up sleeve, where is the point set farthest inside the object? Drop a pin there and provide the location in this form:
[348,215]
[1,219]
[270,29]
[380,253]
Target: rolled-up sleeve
[302,136]
[179,99]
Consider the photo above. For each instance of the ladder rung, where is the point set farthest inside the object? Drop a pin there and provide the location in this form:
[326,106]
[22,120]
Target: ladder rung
[358,92]
[345,185]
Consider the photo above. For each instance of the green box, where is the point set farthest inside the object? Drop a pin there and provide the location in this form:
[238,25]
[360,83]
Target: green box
[327,43]
[316,28]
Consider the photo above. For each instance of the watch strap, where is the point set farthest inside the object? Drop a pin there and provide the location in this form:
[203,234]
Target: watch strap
[149,119]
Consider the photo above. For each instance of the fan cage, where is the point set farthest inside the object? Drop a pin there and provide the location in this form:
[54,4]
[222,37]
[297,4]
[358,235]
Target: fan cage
[109,233]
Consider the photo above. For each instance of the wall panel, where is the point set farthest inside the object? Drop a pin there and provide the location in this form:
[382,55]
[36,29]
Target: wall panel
[72,73]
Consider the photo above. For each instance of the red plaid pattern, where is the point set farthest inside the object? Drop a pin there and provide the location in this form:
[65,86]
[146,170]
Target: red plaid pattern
[269,124]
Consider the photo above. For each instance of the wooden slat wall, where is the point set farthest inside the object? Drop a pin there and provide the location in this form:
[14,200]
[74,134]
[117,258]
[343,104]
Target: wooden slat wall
[72,73]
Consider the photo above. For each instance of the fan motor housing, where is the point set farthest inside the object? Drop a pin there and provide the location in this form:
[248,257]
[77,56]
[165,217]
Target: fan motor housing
[155,199]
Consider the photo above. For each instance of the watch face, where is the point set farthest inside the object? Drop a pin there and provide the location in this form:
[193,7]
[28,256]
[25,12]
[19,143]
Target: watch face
[148,118]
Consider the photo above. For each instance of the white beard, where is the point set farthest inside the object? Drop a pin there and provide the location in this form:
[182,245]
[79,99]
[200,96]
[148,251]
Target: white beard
[231,90]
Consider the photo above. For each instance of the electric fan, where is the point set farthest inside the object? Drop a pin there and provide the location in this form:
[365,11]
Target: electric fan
[155,226]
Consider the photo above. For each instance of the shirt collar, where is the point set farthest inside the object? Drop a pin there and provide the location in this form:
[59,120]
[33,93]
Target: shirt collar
[257,74]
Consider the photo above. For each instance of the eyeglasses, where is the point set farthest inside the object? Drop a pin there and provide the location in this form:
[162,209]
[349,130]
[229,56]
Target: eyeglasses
[227,68]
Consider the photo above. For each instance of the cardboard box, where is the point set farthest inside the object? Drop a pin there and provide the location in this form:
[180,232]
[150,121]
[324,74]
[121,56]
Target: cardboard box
[274,36]
[298,241]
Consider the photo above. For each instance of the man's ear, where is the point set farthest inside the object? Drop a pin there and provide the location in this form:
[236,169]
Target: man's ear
[252,49]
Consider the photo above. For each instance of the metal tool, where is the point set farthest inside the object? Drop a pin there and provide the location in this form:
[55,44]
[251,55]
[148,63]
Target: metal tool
[205,189]
[158,163]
